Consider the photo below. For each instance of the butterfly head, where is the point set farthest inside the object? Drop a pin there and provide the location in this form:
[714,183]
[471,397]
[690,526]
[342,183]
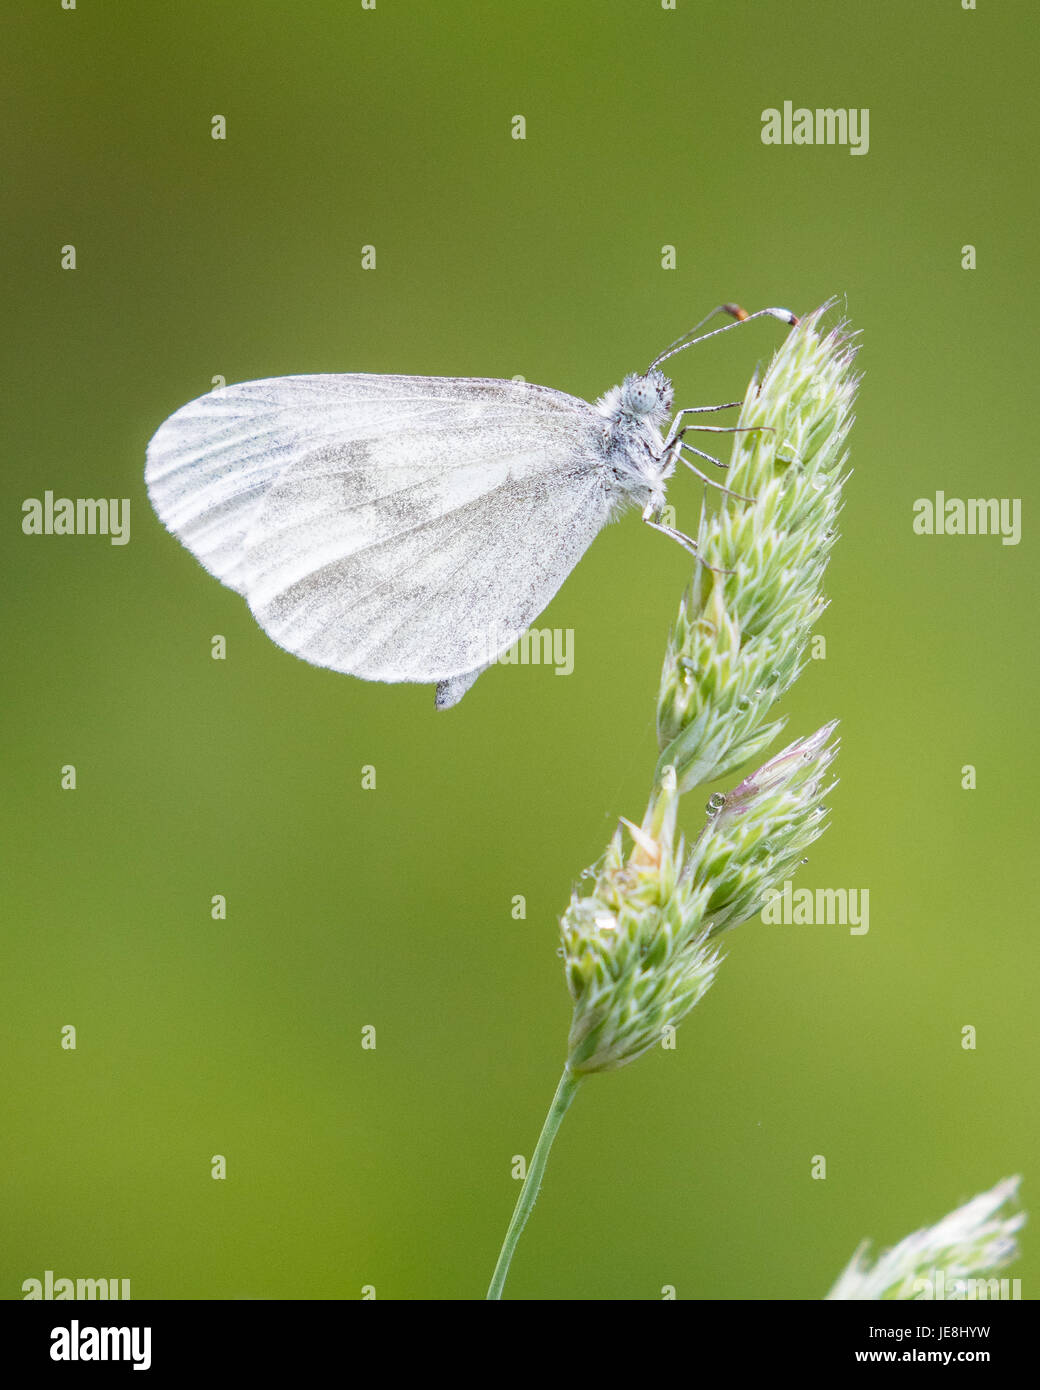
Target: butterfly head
[647,397]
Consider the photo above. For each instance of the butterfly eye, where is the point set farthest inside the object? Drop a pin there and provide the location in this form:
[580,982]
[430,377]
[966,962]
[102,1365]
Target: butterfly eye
[640,397]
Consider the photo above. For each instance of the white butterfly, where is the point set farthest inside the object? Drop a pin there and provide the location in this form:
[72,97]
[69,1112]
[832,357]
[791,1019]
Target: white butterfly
[408,528]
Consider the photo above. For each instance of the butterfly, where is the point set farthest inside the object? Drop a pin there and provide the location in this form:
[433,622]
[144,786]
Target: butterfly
[411,528]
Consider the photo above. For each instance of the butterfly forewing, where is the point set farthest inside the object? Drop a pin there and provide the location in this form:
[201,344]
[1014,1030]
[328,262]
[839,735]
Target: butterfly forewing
[396,528]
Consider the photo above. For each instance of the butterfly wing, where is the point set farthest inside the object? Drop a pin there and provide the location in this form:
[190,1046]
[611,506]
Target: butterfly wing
[210,463]
[395,528]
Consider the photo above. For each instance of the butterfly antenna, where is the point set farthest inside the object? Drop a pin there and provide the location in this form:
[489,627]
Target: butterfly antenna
[736,312]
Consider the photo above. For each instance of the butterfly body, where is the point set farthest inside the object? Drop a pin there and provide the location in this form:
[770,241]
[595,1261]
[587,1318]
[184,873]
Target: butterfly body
[634,449]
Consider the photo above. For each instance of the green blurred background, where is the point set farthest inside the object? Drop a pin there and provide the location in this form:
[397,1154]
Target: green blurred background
[391,907]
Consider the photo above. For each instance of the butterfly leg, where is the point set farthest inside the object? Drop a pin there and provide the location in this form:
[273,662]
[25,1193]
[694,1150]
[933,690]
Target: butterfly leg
[704,477]
[676,429]
[722,429]
[678,443]
[727,429]
[687,542]
[697,410]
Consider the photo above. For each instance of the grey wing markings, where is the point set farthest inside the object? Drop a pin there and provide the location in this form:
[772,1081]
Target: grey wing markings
[425,601]
[499,634]
[210,465]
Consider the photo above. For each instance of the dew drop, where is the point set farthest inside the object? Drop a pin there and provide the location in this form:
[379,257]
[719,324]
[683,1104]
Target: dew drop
[715,803]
